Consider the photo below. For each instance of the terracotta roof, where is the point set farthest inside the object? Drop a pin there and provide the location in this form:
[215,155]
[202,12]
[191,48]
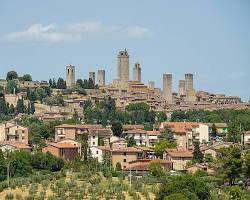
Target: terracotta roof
[118,140]
[132,126]
[135,131]
[17,145]
[143,164]
[63,145]
[157,133]
[218,125]
[103,148]
[180,153]
[128,149]
[80,126]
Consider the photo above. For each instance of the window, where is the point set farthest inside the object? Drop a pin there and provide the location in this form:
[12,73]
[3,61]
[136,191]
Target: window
[93,137]
[93,143]
[96,152]
[124,167]
[124,153]
[124,160]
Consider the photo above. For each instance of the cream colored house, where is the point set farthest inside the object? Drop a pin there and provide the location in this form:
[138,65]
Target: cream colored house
[179,157]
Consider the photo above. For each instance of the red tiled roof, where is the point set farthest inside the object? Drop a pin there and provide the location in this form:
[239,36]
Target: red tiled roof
[136,131]
[80,126]
[63,145]
[132,126]
[180,153]
[157,133]
[128,149]
[17,145]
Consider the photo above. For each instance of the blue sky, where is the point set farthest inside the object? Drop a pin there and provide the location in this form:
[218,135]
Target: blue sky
[208,38]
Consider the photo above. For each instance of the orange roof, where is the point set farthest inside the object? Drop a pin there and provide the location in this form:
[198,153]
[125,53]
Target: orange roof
[80,126]
[17,145]
[128,149]
[143,164]
[182,153]
[136,131]
[63,145]
[180,127]
[157,133]
[132,126]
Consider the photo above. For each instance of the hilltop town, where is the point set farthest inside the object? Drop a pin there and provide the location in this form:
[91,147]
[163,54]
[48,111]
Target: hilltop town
[89,131]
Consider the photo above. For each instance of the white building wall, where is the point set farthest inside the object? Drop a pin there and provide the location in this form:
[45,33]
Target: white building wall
[203,133]
[97,153]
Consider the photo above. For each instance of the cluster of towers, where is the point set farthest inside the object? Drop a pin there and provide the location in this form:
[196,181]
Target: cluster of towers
[70,76]
[186,89]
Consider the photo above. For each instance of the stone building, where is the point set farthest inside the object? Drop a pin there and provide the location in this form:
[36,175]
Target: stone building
[123,68]
[181,87]
[189,89]
[167,87]
[70,76]
[101,77]
[137,72]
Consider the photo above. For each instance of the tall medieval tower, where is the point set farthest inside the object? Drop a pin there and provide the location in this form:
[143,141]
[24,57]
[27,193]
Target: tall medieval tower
[70,76]
[167,87]
[137,72]
[123,68]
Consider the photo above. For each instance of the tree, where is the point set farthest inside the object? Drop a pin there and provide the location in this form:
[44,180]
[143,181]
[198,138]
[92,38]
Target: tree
[26,77]
[61,84]
[32,108]
[131,142]
[246,164]
[20,107]
[176,196]
[197,154]
[230,163]
[117,129]
[3,107]
[190,186]
[156,169]
[53,83]
[11,75]
[160,147]
[50,83]
[11,87]
[213,132]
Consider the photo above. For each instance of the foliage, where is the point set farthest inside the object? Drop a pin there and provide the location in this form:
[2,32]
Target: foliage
[156,169]
[229,163]
[197,154]
[11,75]
[131,142]
[176,196]
[26,77]
[193,187]
[117,129]
[162,146]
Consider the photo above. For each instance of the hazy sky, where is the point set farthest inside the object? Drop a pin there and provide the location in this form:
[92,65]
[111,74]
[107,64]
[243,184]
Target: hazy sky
[209,38]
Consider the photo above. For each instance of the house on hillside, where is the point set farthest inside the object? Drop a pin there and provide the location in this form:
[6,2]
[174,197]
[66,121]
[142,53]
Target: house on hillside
[14,133]
[179,157]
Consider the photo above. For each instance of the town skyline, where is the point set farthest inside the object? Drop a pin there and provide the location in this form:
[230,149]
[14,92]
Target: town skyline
[207,39]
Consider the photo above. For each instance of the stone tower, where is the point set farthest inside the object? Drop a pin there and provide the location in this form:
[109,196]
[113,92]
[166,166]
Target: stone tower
[167,87]
[189,90]
[101,77]
[70,76]
[151,85]
[181,87]
[137,72]
[92,76]
[123,68]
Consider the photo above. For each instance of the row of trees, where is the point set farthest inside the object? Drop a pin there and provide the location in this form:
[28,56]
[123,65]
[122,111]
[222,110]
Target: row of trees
[9,110]
[12,75]
[22,163]
[105,112]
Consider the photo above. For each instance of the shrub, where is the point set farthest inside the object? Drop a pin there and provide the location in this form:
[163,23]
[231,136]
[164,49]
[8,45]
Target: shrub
[9,196]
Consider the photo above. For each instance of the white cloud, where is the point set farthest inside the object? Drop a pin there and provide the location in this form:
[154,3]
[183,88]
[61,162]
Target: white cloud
[38,32]
[75,31]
